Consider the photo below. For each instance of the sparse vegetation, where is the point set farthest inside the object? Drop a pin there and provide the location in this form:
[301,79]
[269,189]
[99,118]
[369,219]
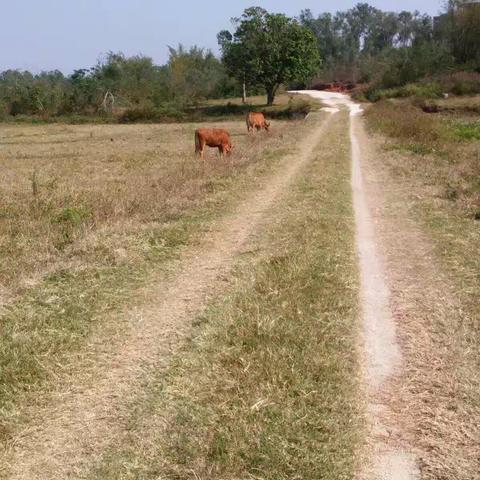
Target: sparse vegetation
[408,124]
[449,137]
[413,123]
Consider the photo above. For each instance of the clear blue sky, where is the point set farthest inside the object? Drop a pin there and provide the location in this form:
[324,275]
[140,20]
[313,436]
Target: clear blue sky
[67,34]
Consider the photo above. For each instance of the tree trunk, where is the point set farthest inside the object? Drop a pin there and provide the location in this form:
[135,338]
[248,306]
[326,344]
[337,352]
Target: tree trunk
[244,95]
[270,95]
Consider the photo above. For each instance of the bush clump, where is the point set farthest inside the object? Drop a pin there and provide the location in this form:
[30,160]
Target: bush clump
[457,83]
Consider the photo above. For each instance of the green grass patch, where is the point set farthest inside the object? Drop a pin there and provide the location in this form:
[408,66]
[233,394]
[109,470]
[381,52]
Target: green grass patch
[268,386]
[468,131]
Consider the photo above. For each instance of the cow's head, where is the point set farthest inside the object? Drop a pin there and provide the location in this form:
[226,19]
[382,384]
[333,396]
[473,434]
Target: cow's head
[228,148]
[267,126]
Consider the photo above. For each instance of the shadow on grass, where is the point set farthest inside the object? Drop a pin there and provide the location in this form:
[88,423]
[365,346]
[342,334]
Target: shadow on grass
[291,111]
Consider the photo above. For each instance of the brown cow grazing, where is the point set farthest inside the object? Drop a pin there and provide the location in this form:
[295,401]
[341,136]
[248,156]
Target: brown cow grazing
[257,121]
[213,137]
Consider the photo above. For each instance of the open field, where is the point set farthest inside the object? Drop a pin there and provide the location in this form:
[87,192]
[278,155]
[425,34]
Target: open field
[162,317]
[88,213]
[72,347]
[303,307]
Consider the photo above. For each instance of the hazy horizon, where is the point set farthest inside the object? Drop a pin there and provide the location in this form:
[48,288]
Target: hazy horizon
[54,35]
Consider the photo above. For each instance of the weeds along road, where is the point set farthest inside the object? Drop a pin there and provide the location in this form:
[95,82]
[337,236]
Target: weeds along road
[82,416]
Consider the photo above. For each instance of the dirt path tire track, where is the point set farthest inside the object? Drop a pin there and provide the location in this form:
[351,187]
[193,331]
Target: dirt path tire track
[80,419]
[430,397]
[390,458]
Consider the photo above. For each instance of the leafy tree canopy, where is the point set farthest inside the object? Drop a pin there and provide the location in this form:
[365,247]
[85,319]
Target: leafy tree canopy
[269,49]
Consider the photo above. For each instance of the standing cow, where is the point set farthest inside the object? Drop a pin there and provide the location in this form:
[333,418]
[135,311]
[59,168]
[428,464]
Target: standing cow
[212,137]
[257,121]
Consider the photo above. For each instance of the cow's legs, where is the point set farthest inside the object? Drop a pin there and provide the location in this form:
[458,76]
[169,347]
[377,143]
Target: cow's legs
[202,151]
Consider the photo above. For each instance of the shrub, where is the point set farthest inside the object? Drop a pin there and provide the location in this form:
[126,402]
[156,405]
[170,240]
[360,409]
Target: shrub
[69,219]
[73,215]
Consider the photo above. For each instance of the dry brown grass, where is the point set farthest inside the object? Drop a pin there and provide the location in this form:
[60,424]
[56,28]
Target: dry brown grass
[406,123]
[65,190]
[87,212]
[447,153]
[458,105]
[433,199]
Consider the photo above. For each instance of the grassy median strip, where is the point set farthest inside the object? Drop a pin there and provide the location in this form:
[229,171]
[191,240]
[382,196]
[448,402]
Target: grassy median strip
[268,386]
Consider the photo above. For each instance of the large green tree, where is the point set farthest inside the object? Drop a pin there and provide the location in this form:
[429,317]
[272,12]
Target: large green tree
[269,50]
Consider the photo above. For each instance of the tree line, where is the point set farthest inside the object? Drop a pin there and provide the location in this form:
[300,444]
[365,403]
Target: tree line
[189,76]
[262,52]
[366,44]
